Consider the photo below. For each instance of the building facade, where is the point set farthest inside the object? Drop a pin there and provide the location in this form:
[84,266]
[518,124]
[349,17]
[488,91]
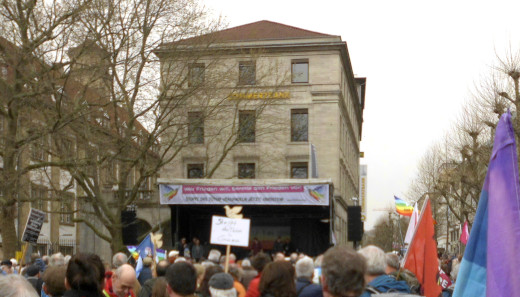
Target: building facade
[286,99]
[51,163]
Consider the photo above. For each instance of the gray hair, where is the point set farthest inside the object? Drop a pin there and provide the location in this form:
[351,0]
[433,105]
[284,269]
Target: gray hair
[392,260]
[119,259]
[375,259]
[214,256]
[57,259]
[15,285]
[246,263]
[304,267]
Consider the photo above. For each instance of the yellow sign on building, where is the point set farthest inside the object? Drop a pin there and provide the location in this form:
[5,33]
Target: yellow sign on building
[260,95]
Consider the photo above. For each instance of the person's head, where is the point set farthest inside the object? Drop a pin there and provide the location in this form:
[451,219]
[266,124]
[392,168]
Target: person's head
[214,256]
[54,280]
[181,278]
[279,257]
[259,261]
[172,255]
[278,280]
[293,258]
[160,288]
[33,271]
[57,259]
[196,241]
[161,268]
[118,260]
[147,262]
[7,266]
[85,272]
[14,264]
[221,285]
[34,256]
[123,280]
[342,272]
[208,273]
[305,268]
[45,259]
[246,263]
[235,272]
[375,259]
[15,285]
[392,262]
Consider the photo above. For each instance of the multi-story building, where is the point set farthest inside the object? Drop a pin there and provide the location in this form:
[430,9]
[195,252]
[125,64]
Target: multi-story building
[284,94]
[50,162]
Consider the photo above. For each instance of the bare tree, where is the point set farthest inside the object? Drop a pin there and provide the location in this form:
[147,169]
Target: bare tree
[133,108]
[35,36]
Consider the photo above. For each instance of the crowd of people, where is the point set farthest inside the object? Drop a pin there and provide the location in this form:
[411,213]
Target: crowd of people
[340,272]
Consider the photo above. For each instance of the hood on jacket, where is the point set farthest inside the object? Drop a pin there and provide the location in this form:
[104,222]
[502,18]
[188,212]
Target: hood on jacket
[385,283]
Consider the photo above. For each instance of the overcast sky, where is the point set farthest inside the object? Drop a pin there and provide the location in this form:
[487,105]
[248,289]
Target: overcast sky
[421,60]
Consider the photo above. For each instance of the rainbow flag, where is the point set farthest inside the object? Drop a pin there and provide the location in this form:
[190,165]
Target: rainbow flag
[402,207]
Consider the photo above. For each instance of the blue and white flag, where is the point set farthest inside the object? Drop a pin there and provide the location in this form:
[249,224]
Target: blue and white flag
[144,249]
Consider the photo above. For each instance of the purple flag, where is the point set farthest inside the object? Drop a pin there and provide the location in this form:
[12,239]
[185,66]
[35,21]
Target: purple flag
[503,237]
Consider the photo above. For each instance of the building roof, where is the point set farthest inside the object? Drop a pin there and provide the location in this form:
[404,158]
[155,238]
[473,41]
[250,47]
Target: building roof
[261,30]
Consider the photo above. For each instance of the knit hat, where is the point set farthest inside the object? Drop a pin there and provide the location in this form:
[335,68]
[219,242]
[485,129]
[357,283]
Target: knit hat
[221,285]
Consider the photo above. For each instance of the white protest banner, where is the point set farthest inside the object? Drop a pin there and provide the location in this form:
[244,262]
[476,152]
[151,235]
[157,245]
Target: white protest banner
[33,226]
[227,231]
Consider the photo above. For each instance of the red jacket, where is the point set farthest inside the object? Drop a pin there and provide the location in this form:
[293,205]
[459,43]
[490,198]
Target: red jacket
[253,291]
[108,291]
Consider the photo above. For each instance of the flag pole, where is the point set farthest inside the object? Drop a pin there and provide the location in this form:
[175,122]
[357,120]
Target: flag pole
[400,231]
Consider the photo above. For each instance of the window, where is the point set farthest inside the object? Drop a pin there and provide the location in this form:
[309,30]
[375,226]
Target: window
[195,127]
[67,148]
[38,149]
[109,172]
[246,126]
[195,170]
[39,198]
[91,165]
[196,74]
[66,208]
[299,170]
[300,71]
[246,170]
[246,73]
[104,120]
[299,125]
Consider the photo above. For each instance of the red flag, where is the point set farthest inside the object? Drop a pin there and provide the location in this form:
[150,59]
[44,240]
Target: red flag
[421,258]
[464,235]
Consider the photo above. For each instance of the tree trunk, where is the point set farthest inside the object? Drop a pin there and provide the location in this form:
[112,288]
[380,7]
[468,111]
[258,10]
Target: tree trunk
[116,245]
[7,224]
